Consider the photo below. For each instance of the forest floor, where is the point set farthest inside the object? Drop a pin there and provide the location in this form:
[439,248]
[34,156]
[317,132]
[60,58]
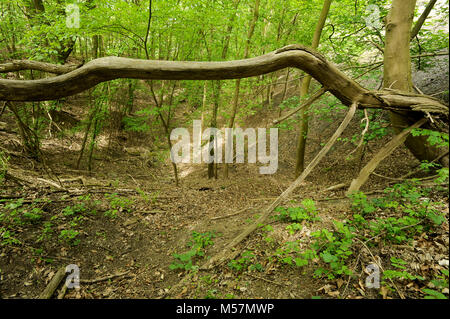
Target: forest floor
[122,222]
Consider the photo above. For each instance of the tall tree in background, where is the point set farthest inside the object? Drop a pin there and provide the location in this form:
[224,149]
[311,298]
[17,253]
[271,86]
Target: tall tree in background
[217,85]
[251,30]
[303,132]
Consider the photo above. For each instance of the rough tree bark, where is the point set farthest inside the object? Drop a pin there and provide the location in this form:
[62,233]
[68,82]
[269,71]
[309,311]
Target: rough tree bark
[397,75]
[19,65]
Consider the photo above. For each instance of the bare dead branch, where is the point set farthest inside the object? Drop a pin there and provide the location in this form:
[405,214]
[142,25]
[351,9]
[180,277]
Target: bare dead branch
[415,30]
[382,154]
[225,253]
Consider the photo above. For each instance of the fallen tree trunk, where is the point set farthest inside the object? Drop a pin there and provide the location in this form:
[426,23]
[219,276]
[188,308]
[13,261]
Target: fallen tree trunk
[110,68]
[298,56]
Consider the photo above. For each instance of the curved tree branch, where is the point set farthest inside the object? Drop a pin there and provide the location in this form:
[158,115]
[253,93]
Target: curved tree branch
[306,59]
[20,65]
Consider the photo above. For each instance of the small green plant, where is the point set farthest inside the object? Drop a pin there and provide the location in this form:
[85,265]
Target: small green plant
[293,228]
[435,138]
[440,283]
[256,267]
[198,243]
[46,232]
[148,198]
[70,236]
[397,230]
[443,177]
[184,261]
[101,234]
[409,200]
[8,238]
[400,272]
[290,254]
[334,248]
[245,262]
[211,294]
[378,127]
[117,204]
[75,209]
[267,229]
[75,222]
[33,215]
[12,212]
[361,204]
[286,253]
[307,211]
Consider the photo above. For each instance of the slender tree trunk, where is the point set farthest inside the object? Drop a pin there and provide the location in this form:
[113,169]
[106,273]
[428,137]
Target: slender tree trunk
[303,132]
[95,46]
[276,75]
[86,133]
[217,87]
[92,144]
[130,101]
[251,30]
[213,124]
[29,138]
[101,50]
